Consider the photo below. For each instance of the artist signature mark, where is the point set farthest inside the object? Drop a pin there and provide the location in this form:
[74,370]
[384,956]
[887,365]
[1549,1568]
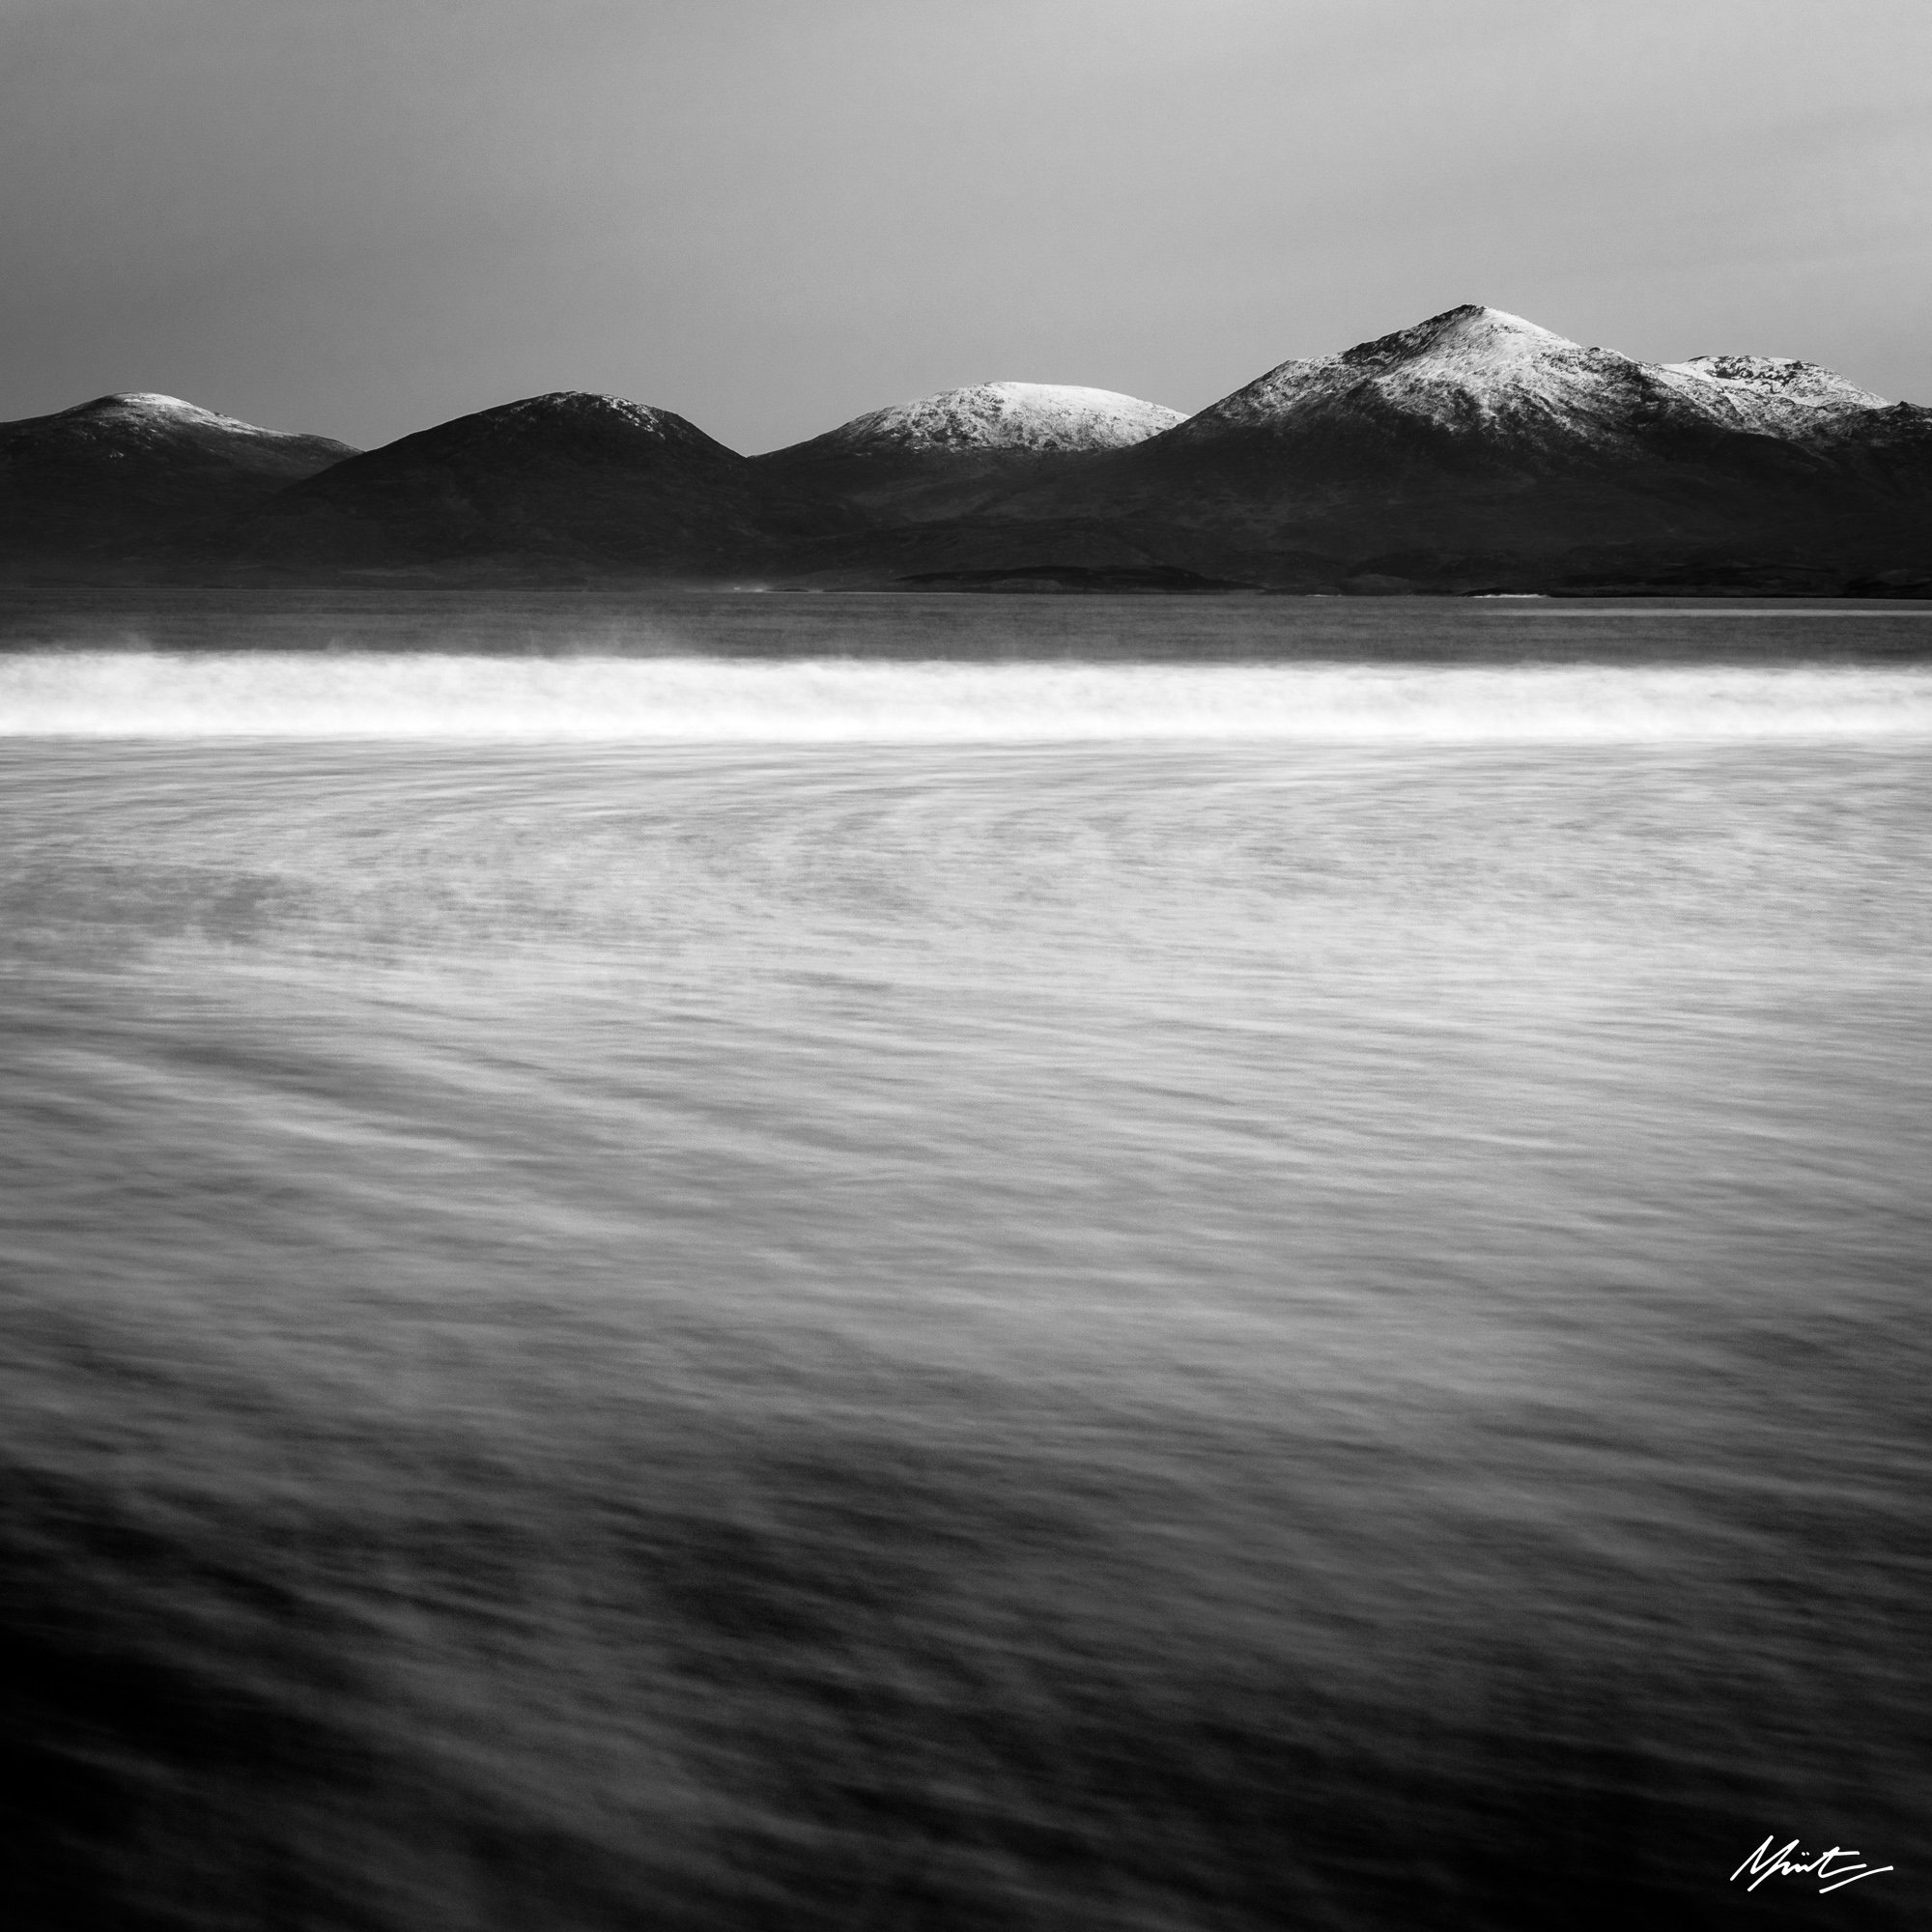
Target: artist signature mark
[1791,1862]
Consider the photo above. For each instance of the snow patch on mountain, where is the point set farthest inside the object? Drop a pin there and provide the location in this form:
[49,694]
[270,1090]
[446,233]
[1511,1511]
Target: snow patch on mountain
[147,410]
[145,402]
[1772,395]
[1468,369]
[1044,417]
[1485,372]
[585,408]
[1779,376]
[143,421]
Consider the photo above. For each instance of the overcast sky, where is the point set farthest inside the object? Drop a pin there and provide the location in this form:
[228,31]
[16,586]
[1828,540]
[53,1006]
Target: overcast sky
[363,217]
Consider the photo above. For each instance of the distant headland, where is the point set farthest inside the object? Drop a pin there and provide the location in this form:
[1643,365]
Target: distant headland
[1472,453]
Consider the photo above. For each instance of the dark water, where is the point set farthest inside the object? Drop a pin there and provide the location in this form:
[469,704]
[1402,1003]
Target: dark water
[912,625]
[1319,1327]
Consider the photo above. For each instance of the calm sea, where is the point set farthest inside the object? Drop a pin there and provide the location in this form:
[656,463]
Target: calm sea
[1238,1285]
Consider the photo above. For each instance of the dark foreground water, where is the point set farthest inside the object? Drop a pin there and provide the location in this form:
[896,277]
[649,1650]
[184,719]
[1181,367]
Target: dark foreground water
[1308,1312]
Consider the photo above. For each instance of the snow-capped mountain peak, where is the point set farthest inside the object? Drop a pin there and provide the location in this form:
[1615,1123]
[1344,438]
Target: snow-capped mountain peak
[139,432]
[148,409]
[146,400]
[1468,338]
[1466,368]
[1039,416]
[1483,373]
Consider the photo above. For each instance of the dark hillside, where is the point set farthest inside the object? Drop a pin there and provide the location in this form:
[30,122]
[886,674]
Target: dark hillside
[92,490]
[555,483]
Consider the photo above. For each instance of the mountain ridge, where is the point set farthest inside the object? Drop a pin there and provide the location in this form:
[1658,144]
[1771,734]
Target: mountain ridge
[1473,367]
[1476,448]
[1473,449]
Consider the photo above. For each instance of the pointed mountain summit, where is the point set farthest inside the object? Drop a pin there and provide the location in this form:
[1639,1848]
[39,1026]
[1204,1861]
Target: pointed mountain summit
[1473,353]
[557,482]
[89,485]
[1472,384]
[1480,383]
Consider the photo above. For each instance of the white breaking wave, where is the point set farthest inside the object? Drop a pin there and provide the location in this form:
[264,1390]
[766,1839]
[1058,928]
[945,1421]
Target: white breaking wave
[146,694]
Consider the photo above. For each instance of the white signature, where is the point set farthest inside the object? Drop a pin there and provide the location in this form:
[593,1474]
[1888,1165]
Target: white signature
[1789,1861]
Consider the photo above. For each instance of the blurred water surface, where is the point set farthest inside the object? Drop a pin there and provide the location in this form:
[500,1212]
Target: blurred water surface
[1299,1328]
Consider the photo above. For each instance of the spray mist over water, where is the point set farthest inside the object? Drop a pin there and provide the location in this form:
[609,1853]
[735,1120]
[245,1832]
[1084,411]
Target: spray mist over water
[134,694]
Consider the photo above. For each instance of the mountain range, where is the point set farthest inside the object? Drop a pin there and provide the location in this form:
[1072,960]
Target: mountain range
[1474,451]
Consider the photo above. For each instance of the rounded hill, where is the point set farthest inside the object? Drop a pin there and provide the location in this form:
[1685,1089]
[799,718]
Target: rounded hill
[947,455]
[122,473]
[1030,416]
[551,482]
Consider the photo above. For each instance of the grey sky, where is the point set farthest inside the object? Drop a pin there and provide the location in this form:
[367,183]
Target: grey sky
[363,217]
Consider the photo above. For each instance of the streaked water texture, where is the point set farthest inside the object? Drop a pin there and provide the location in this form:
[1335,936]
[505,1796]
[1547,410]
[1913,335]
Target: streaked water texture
[119,694]
[1323,1326]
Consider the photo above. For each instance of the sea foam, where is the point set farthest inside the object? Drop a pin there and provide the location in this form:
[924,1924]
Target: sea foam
[152,695]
